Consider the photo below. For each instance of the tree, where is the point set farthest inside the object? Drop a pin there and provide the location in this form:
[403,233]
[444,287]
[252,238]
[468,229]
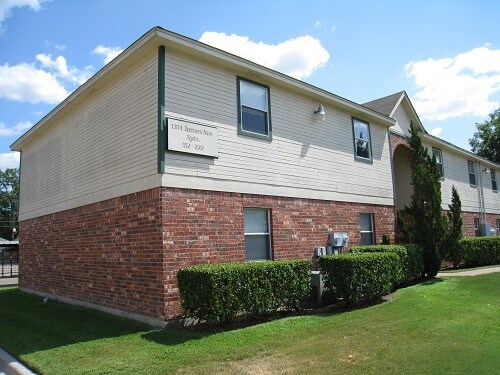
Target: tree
[454,231]
[427,223]
[9,202]
[486,140]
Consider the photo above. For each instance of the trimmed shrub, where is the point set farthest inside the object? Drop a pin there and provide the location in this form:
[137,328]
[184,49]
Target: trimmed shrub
[220,292]
[411,258]
[479,251]
[359,277]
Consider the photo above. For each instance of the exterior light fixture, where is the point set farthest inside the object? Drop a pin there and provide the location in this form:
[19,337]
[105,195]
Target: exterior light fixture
[320,113]
[486,171]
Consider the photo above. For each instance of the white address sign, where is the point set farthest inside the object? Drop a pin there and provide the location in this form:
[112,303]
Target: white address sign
[193,138]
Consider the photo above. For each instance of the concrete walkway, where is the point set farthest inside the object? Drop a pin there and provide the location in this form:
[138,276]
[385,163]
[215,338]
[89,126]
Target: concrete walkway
[473,272]
[8,281]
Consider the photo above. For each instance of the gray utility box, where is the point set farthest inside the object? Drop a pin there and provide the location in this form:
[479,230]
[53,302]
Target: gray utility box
[485,230]
[317,286]
[338,239]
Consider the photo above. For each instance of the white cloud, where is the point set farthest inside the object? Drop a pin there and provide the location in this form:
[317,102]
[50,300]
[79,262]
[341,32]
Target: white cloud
[456,86]
[109,53]
[298,57]
[50,82]
[26,83]
[436,131]
[9,160]
[317,24]
[17,129]
[60,68]
[6,7]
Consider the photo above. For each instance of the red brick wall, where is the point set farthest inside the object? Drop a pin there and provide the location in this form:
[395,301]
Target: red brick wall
[468,218]
[207,227]
[124,253]
[108,253]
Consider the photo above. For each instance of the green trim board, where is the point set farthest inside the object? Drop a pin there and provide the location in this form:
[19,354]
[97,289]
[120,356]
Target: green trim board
[162,132]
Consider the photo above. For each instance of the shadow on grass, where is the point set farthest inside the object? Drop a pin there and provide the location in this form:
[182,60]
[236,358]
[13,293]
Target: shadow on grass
[29,325]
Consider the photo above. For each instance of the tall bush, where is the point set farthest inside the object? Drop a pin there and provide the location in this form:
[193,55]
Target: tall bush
[454,230]
[428,223]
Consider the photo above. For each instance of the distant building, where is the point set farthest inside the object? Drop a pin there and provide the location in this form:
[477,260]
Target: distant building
[177,153]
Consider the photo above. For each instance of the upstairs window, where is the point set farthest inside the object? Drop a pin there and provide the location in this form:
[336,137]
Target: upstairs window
[472,173]
[257,234]
[494,180]
[366,224]
[254,109]
[439,160]
[362,141]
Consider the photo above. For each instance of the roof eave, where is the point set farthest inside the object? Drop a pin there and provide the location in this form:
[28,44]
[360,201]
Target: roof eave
[460,150]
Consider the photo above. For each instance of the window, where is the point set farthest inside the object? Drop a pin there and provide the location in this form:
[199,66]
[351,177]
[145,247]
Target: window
[366,223]
[257,234]
[494,180]
[439,160]
[476,227]
[472,173]
[498,227]
[254,113]
[362,143]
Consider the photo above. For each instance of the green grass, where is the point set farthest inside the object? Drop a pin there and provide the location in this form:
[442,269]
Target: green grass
[444,326]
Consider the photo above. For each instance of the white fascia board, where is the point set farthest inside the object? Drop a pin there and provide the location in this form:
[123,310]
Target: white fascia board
[433,140]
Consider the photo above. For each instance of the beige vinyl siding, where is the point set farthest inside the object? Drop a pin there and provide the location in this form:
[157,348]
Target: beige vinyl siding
[306,157]
[402,126]
[105,148]
[456,173]
[491,198]
[402,184]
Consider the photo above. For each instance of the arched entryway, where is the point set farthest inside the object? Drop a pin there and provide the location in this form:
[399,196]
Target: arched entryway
[403,189]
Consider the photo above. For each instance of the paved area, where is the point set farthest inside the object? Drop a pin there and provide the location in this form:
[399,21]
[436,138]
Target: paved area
[8,281]
[473,272]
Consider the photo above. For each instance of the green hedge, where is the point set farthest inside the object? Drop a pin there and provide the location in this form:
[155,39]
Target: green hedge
[479,251]
[220,292]
[411,255]
[359,277]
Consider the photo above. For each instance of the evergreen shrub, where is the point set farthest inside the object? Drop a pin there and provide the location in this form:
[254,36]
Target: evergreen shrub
[221,292]
[359,277]
[411,259]
[479,251]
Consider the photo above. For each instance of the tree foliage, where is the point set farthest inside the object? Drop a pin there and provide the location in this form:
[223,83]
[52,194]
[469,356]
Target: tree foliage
[486,140]
[9,202]
[454,230]
[427,225]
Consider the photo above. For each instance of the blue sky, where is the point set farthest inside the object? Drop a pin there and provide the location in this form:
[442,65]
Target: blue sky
[445,54]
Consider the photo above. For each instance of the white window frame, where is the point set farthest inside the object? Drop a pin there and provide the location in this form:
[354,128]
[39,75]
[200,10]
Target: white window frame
[366,141]
[371,231]
[472,175]
[439,160]
[241,103]
[266,234]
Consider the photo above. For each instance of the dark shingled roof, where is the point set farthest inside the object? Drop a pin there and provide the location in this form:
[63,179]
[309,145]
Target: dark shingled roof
[384,105]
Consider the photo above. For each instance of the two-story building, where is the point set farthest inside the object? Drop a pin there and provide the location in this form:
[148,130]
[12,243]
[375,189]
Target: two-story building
[177,153]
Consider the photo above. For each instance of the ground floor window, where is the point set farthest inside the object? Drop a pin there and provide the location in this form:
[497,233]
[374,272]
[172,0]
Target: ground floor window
[257,234]
[476,227]
[498,227]
[367,233]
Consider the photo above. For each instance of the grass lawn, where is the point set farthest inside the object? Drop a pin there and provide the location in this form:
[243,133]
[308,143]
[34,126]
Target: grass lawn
[443,326]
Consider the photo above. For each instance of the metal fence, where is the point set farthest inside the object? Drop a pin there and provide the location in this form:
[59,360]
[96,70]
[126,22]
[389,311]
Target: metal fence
[9,262]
